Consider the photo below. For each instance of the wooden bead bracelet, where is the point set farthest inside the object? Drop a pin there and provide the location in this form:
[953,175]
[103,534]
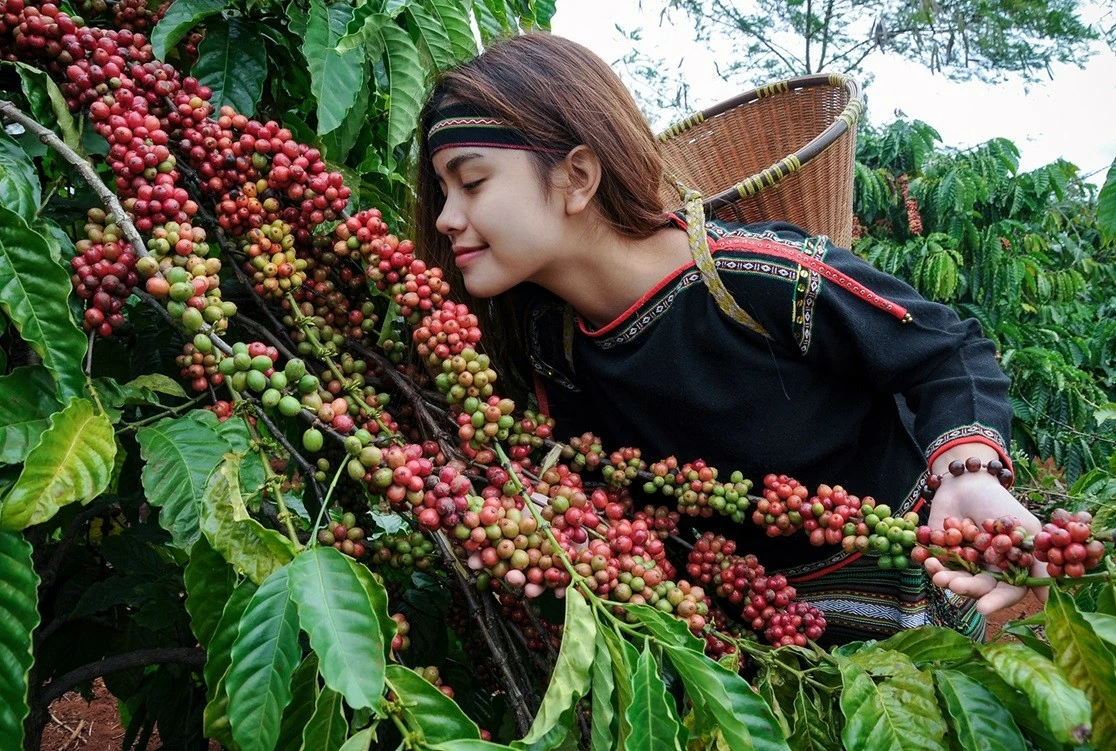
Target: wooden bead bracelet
[995,467]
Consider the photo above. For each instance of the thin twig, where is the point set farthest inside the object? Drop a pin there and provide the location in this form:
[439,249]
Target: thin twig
[413,394]
[482,619]
[189,656]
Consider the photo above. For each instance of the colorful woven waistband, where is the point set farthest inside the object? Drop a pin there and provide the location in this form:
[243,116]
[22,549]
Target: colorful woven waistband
[465,125]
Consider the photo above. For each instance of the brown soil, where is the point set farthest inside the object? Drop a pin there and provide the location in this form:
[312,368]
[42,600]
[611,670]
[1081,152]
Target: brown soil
[1029,605]
[77,725]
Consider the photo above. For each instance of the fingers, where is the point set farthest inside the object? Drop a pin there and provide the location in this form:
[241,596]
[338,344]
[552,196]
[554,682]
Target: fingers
[1002,596]
[990,593]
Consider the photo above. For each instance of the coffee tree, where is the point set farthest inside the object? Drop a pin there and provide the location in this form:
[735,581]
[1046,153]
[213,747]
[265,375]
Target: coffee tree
[259,474]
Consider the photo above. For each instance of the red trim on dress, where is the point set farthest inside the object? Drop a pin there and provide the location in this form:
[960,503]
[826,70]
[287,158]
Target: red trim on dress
[974,439]
[827,570]
[634,306]
[540,395]
[844,281]
[763,247]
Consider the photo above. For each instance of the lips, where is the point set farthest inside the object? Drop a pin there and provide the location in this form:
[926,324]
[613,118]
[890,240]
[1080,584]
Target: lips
[463,255]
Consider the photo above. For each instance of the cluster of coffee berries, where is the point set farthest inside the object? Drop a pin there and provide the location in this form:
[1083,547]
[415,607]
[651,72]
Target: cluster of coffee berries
[568,509]
[104,273]
[252,367]
[779,511]
[914,219]
[420,290]
[359,237]
[222,408]
[637,538]
[405,551]
[193,291]
[388,264]
[623,467]
[445,499]
[661,520]
[795,625]
[135,15]
[401,642]
[705,559]
[401,478]
[199,364]
[448,330]
[1002,543]
[480,421]
[467,375]
[890,538]
[529,434]
[697,489]
[432,676]
[1066,544]
[345,535]
[827,515]
[271,261]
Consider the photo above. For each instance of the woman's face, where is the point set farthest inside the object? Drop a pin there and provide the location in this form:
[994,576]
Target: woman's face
[505,226]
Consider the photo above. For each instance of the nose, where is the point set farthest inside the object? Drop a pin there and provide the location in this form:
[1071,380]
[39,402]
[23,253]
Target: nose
[451,220]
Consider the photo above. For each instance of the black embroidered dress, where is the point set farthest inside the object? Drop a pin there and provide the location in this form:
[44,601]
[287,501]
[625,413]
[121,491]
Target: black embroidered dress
[828,398]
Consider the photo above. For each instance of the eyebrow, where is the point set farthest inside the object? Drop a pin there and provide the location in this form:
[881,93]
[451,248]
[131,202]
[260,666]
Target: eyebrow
[455,164]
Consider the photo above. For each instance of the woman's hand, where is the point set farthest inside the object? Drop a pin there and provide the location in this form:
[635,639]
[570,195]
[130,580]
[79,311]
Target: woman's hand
[979,496]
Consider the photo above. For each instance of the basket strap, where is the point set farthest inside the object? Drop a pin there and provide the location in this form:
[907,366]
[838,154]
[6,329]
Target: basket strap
[699,248]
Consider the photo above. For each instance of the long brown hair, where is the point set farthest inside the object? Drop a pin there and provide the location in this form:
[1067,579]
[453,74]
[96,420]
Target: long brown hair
[560,95]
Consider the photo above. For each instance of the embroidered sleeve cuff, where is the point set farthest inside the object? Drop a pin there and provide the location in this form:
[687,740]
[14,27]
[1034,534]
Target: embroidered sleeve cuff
[969,434]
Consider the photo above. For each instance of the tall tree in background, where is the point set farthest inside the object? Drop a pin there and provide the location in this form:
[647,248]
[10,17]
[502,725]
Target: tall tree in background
[961,39]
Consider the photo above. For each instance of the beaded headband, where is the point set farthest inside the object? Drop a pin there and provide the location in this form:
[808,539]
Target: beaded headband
[464,125]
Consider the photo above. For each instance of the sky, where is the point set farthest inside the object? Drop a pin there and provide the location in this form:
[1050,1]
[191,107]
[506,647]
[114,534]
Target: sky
[1072,116]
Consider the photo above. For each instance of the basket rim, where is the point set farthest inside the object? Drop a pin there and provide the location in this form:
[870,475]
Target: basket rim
[772,175]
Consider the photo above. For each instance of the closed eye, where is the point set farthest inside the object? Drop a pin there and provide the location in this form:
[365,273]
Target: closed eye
[470,187]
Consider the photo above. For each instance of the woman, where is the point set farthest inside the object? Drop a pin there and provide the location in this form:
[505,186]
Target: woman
[538,192]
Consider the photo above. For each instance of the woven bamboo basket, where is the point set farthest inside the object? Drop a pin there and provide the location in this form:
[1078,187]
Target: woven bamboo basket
[784,151]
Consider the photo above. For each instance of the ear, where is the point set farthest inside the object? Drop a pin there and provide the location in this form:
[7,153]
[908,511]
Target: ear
[581,176]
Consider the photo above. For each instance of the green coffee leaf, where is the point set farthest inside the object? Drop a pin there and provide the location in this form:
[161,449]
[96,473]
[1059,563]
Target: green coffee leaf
[215,720]
[890,705]
[180,18]
[666,628]
[655,724]
[455,20]
[1106,204]
[1086,661]
[157,382]
[209,581]
[335,76]
[19,182]
[812,723]
[725,701]
[304,697]
[252,549]
[1025,716]
[362,741]
[1059,706]
[431,36]
[570,679]
[264,656]
[624,658]
[232,61]
[34,294]
[29,401]
[48,106]
[470,745]
[603,729]
[327,728]
[930,644]
[438,716]
[19,617]
[978,720]
[179,454]
[344,611]
[72,462]
[405,83]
